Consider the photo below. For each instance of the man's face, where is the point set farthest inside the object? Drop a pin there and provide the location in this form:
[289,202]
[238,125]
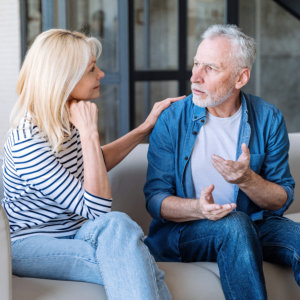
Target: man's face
[213,73]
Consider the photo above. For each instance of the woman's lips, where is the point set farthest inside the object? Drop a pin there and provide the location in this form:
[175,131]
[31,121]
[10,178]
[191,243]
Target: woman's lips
[97,87]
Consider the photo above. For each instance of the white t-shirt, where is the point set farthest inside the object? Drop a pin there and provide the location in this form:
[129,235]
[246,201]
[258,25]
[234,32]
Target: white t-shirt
[217,136]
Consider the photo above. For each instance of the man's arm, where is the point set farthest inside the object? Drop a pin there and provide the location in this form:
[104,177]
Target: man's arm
[273,188]
[263,193]
[163,201]
[182,210]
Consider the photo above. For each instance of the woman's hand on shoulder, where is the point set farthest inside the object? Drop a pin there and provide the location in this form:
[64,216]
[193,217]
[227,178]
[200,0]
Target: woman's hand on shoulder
[157,109]
[84,116]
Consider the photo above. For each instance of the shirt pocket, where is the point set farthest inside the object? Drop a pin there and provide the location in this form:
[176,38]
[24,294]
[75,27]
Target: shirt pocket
[256,162]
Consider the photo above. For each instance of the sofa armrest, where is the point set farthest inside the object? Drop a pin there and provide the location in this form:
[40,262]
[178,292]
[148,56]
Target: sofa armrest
[5,258]
[294,162]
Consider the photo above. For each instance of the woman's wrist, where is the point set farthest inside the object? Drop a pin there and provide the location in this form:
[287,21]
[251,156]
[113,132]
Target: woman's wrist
[89,135]
[145,129]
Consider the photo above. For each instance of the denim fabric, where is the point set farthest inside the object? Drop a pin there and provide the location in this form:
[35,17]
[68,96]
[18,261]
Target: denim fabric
[232,241]
[238,245]
[280,240]
[108,251]
[172,140]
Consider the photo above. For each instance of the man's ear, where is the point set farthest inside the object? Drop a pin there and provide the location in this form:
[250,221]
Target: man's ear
[242,78]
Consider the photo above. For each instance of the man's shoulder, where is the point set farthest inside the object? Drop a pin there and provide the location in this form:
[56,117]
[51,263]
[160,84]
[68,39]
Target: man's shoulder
[177,108]
[259,105]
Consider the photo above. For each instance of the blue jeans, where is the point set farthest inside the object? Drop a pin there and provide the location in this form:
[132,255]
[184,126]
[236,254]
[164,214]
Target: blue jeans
[238,245]
[108,250]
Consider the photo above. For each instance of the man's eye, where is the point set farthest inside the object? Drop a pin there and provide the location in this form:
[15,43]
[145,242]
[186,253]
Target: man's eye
[92,69]
[196,64]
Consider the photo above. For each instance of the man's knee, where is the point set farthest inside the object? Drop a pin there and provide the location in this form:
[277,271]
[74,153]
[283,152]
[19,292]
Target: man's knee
[238,223]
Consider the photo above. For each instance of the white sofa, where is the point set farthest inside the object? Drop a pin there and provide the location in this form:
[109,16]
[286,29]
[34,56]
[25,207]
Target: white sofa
[186,281]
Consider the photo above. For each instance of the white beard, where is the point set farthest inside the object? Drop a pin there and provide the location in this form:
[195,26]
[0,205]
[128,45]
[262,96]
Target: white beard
[210,101]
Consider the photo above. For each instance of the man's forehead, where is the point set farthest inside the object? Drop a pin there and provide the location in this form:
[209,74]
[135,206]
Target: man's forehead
[214,50]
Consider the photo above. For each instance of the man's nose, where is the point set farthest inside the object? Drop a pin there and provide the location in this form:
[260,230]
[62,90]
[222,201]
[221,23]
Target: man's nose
[197,75]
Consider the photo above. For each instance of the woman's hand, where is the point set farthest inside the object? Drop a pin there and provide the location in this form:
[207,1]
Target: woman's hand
[84,116]
[157,110]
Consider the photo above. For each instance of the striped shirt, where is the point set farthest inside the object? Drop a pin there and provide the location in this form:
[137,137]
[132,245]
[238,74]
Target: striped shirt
[43,192]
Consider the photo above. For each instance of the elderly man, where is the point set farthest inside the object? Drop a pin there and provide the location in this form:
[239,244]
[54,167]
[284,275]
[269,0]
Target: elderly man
[218,178]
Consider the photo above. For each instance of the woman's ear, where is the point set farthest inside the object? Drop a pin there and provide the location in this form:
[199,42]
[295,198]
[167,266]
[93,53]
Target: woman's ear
[242,78]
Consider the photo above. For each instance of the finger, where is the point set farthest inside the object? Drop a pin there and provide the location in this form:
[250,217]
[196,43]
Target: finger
[217,158]
[221,209]
[245,149]
[245,155]
[177,98]
[211,207]
[206,191]
[220,167]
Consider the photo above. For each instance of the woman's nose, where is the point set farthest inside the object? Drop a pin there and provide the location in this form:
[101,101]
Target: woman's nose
[100,73]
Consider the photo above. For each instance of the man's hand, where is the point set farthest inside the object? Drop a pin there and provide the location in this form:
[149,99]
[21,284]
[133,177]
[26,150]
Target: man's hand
[209,209]
[235,172]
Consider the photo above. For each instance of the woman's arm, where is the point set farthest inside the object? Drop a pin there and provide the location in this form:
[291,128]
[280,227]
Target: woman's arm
[116,151]
[84,116]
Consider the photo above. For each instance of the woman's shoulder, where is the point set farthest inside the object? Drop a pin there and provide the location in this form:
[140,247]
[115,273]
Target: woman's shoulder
[26,135]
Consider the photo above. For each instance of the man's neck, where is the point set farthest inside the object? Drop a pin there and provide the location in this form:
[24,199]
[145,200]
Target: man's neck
[227,108]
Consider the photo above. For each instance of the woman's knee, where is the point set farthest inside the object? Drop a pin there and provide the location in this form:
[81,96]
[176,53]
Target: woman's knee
[122,222]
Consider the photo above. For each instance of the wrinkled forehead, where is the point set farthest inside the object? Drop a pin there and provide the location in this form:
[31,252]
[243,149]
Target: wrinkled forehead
[216,50]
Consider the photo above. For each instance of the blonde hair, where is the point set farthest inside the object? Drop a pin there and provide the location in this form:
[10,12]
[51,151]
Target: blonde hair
[52,67]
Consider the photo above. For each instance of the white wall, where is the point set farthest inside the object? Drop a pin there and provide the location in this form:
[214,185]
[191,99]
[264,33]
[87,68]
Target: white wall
[10,57]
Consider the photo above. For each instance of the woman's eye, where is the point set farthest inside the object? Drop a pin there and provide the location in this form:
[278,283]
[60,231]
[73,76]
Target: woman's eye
[92,69]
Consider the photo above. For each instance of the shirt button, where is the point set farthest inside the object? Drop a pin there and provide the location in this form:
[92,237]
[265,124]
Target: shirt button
[186,158]
[195,132]
[202,121]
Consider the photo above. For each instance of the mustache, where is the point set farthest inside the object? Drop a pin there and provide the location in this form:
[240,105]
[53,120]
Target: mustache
[198,87]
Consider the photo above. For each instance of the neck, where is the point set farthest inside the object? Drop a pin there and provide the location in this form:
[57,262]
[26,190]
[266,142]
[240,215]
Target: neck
[227,108]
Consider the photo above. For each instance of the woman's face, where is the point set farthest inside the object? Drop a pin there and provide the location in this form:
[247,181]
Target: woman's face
[88,86]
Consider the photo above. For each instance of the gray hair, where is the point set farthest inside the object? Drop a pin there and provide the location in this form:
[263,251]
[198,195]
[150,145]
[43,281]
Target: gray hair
[246,44]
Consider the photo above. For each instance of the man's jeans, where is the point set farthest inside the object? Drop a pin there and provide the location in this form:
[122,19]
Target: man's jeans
[108,250]
[239,246]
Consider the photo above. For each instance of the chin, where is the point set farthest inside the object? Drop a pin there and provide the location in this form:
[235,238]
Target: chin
[198,101]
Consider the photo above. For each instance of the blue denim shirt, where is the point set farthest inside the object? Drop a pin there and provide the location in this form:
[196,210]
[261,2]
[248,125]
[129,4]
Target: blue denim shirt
[172,140]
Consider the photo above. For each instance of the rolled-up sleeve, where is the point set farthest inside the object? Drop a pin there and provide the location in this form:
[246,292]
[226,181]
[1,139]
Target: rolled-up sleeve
[276,167]
[160,181]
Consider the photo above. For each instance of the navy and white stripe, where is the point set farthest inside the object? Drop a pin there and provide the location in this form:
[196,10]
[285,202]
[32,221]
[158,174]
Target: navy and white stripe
[43,192]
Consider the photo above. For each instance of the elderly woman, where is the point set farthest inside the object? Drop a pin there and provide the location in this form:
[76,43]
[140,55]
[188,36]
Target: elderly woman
[57,192]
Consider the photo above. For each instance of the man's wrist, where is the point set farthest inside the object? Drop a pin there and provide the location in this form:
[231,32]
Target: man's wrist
[247,179]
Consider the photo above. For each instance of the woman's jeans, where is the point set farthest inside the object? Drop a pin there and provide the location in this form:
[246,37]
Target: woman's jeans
[108,250]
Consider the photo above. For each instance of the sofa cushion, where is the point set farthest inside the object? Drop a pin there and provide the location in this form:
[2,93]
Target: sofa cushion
[44,289]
